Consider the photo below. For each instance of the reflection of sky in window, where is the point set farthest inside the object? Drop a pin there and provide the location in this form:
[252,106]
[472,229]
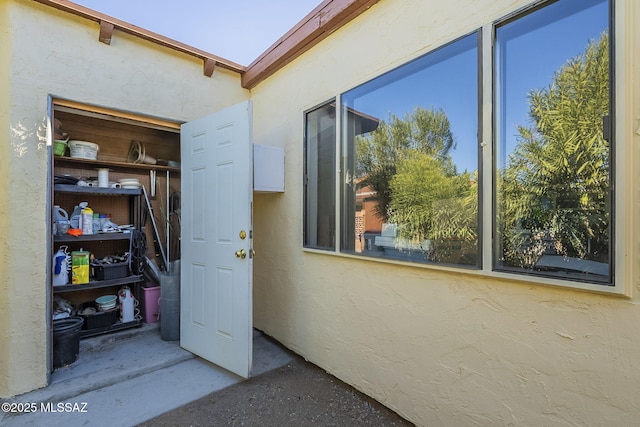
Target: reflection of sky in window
[446,79]
[534,46]
[530,50]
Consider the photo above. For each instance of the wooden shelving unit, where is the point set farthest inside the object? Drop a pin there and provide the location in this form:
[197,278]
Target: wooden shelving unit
[68,238]
[118,326]
[84,163]
[113,132]
[98,284]
[96,191]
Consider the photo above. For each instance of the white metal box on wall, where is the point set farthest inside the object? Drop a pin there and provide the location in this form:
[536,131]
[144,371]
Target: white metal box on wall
[268,168]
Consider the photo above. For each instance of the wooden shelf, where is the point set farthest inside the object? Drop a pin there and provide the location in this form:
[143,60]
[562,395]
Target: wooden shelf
[97,191]
[98,284]
[85,163]
[118,326]
[68,238]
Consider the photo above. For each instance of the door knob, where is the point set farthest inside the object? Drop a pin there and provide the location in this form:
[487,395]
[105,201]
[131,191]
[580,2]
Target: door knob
[241,254]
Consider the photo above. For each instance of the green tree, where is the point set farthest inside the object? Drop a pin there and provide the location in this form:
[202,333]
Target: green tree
[408,163]
[378,153]
[430,203]
[554,189]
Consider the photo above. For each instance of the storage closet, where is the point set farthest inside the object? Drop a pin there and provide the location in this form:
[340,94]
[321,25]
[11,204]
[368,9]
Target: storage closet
[142,217]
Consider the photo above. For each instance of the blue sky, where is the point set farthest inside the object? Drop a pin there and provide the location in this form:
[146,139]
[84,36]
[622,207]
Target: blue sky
[538,45]
[535,57]
[238,30]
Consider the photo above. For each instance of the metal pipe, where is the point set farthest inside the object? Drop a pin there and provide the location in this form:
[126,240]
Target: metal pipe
[155,229]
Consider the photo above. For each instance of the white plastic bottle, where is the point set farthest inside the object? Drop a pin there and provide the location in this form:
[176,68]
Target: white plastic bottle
[87,220]
[127,304]
[76,216]
[61,267]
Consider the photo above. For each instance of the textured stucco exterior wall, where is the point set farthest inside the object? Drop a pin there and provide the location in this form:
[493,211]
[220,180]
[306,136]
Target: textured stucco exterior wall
[5,54]
[58,54]
[439,347]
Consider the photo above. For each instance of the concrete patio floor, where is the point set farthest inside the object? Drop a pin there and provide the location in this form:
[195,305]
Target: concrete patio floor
[130,377]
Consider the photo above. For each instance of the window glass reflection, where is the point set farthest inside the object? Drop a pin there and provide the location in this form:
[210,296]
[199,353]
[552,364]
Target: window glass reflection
[410,160]
[319,178]
[552,158]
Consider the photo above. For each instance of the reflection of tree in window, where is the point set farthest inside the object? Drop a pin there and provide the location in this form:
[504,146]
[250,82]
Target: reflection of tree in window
[406,192]
[555,184]
[407,163]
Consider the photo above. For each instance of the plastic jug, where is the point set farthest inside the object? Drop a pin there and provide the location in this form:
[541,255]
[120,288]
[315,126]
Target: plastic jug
[60,220]
[127,304]
[61,267]
[59,214]
[76,215]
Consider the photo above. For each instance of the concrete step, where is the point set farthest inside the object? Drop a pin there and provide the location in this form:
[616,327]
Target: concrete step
[127,378]
[108,360]
[135,400]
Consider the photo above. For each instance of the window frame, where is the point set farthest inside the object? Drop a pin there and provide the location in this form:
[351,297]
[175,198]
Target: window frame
[493,264]
[441,54]
[621,247]
[305,178]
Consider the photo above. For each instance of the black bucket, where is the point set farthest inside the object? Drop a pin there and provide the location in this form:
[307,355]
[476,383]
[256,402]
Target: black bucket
[66,340]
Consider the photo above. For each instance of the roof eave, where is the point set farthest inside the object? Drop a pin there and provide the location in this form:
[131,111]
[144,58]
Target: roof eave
[108,23]
[325,19]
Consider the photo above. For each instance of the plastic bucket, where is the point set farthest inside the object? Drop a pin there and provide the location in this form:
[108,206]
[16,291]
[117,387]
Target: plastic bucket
[66,340]
[59,147]
[151,303]
[83,150]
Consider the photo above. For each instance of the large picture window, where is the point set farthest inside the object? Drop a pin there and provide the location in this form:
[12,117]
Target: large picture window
[416,169]
[553,161]
[410,160]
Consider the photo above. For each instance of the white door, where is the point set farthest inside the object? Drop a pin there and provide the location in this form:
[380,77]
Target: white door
[216,259]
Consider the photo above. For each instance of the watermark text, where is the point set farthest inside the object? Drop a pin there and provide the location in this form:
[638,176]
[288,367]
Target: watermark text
[48,407]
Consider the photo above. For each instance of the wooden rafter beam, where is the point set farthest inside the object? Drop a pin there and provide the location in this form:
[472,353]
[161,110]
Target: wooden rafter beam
[106,31]
[311,30]
[209,66]
[108,24]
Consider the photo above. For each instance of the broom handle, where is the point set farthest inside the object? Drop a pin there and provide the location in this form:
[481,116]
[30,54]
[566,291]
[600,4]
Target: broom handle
[156,240]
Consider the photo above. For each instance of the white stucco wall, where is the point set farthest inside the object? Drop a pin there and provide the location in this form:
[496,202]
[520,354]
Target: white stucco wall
[5,54]
[56,53]
[439,347]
